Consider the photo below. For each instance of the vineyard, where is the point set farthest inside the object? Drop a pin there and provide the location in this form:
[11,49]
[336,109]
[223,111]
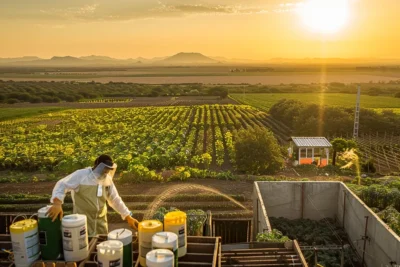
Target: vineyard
[139,139]
[106,100]
[384,150]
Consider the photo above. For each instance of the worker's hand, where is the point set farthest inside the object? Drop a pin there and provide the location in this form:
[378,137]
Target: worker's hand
[132,222]
[55,210]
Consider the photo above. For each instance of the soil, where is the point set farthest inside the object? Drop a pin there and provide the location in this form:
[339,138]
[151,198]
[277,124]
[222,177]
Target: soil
[149,188]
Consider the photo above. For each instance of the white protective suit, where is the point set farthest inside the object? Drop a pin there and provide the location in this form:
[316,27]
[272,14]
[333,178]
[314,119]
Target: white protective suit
[89,196]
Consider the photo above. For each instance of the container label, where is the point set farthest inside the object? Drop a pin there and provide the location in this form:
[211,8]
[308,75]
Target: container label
[181,237]
[43,238]
[144,251]
[68,245]
[82,238]
[82,231]
[32,245]
[67,234]
[115,263]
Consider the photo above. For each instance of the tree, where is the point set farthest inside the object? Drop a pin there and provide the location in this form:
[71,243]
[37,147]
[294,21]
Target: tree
[257,152]
[223,94]
[397,95]
[340,145]
[12,101]
[35,99]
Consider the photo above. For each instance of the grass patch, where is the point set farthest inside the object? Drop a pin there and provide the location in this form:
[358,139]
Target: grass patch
[266,101]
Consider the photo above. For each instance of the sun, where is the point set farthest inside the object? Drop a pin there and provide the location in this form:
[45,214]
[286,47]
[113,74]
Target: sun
[325,16]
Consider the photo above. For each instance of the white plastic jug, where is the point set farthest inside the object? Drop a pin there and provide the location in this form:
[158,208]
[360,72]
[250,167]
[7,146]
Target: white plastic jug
[160,258]
[166,240]
[75,237]
[110,253]
[25,242]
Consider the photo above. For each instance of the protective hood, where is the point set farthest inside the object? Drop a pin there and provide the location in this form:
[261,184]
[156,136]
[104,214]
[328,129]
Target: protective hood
[104,173]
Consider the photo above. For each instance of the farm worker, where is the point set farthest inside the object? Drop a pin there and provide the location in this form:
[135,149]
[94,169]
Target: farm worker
[91,188]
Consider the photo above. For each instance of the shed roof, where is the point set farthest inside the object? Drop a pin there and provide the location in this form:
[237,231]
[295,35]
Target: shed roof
[311,142]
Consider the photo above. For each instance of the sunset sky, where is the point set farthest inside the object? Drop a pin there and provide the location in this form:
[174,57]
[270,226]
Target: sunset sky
[251,29]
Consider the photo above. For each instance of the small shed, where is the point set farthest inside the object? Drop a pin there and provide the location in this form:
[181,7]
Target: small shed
[309,150]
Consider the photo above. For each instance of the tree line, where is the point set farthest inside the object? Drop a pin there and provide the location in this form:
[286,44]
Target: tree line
[72,91]
[313,120]
[53,92]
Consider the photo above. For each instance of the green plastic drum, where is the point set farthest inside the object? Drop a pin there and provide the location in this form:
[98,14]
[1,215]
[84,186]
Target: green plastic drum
[125,236]
[49,236]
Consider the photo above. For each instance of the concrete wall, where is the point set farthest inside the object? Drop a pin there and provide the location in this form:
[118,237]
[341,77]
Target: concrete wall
[260,219]
[317,200]
[383,245]
[294,200]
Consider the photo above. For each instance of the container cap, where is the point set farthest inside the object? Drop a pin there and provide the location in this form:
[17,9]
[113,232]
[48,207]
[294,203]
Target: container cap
[175,217]
[123,235]
[23,226]
[74,220]
[165,240]
[109,247]
[42,212]
[161,256]
[150,226]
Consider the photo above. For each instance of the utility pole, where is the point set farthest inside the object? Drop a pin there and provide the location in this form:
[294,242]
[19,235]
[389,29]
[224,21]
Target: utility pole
[357,114]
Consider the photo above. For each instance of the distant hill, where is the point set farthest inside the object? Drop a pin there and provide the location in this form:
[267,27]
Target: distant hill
[93,57]
[182,59]
[65,59]
[18,59]
[187,59]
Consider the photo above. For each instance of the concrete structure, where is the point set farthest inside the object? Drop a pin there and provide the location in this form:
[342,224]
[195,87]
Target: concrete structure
[318,200]
[306,150]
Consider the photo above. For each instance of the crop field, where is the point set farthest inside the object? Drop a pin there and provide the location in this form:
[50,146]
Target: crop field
[218,79]
[380,110]
[14,113]
[383,149]
[22,110]
[149,137]
[218,74]
[266,101]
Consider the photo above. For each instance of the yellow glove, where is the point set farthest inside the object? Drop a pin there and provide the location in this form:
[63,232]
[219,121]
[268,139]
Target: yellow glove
[132,222]
[56,210]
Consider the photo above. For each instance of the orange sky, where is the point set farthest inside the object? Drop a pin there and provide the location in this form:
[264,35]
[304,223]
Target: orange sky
[251,29]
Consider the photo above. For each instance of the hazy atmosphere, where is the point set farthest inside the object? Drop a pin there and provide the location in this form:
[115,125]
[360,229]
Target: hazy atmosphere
[251,29]
[253,132]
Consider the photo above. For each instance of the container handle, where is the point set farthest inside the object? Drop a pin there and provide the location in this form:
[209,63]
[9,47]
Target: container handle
[120,233]
[35,214]
[137,237]
[23,216]
[161,254]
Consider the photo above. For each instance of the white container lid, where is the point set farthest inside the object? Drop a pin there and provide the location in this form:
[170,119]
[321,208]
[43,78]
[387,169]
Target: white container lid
[109,247]
[165,240]
[74,220]
[160,257]
[42,212]
[123,235]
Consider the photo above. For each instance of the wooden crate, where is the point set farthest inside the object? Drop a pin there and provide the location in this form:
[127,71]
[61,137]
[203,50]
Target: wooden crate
[201,251]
